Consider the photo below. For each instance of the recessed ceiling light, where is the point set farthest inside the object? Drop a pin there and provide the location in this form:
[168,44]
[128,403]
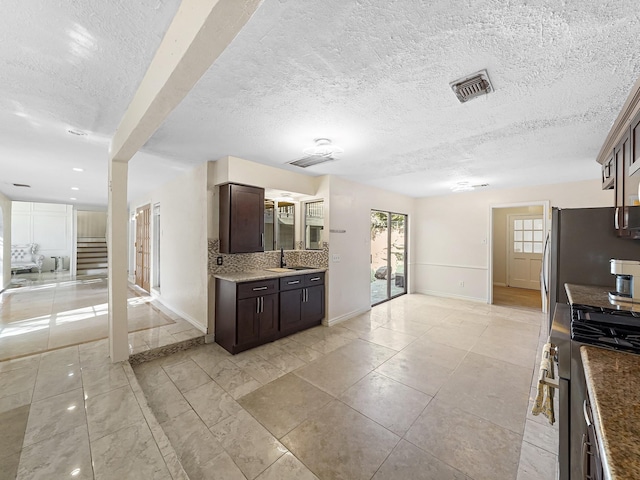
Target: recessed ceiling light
[21,185]
[76,169]
[75,188]
[76,132]
[73,198]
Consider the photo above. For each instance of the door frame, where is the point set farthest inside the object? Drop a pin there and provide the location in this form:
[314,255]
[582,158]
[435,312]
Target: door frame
[546,218]
[406,256]
[509,242]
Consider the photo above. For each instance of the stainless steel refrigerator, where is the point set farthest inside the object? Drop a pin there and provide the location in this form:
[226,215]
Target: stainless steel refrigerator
[582,242]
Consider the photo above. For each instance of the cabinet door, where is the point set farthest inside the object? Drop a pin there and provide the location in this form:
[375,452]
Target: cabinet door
[241,219]
[290,309]
[313,304]
[620,157]
[248,327]
[634,154]
[269,316]
[608,173]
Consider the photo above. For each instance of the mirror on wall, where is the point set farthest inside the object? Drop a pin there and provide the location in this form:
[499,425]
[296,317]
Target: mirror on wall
[313,225]
[279,224]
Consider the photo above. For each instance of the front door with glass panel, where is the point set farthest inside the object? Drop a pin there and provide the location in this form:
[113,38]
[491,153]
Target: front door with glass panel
[526,243]
[388,256]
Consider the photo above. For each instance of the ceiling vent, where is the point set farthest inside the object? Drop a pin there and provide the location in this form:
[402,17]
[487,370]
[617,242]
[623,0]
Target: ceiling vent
[472,86]
[322,151]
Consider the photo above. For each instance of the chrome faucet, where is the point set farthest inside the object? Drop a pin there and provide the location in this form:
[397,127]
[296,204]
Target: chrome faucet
[282,262]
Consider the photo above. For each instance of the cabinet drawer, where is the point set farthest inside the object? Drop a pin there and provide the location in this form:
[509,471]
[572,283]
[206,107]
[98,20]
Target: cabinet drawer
[258,288]
[311,279]
[292,282]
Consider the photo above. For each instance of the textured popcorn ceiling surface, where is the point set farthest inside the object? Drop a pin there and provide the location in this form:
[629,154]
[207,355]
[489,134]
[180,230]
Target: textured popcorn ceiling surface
[372,76]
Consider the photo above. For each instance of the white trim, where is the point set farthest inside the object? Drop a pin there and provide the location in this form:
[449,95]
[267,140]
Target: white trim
[346,316]
[435,293]
[185,316]
[449,265]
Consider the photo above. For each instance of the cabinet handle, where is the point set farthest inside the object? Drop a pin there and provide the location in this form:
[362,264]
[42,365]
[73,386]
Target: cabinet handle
[257,304]
[615,219]
[586,413]
[261,304]
[293,283]
[262,239]
[259,288]
[314,279]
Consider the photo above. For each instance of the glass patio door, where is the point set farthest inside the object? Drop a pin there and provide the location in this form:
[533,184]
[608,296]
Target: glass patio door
[388,256]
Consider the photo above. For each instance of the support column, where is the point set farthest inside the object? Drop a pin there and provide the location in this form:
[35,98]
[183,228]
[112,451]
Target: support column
[118,217]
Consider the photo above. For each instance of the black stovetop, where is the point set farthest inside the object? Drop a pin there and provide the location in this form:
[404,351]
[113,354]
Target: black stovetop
[615,329]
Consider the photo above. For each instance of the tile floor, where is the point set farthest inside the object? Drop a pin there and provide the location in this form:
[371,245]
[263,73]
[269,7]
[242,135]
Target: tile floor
[420,388]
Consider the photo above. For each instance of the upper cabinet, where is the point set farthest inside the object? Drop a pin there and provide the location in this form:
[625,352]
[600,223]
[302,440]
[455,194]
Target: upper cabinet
[620,161]
[241,218]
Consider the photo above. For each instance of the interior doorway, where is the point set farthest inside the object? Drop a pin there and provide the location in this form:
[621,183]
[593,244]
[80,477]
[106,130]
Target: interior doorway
[388,256]
[142,246]
[516,255]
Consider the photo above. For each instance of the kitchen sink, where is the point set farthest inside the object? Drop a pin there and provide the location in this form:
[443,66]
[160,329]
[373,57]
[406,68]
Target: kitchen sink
[288,269]
[301,268]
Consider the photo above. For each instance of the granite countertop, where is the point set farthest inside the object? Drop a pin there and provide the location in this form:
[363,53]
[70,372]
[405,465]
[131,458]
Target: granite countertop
[596,296]
[613,380]
[252,275]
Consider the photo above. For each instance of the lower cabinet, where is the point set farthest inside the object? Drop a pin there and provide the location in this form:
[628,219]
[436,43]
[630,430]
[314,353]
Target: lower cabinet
[249,314]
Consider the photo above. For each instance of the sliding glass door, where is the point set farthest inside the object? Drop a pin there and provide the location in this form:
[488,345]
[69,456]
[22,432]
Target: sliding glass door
[388,256]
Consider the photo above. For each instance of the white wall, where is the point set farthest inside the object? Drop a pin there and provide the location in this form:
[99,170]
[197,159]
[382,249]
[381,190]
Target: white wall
[183,244]
[91,224]
[5,242]
[50,225]
[350,210]
[452,233]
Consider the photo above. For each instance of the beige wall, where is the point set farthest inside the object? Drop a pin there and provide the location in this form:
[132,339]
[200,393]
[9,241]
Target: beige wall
[500,237]
[91,224]
[452,233]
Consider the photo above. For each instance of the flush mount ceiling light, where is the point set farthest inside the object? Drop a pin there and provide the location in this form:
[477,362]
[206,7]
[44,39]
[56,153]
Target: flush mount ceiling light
[322,151]
[467,187]
[79,133]
[472,86]
[76,169]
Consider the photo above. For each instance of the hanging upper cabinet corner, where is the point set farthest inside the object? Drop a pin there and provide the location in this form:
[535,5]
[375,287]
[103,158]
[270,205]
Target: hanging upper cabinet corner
[241,218]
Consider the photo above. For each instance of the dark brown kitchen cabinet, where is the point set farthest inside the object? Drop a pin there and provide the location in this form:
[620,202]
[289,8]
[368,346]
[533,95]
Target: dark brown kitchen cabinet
[249,314]
[301,302]
[241,218]
[608,173]
[246,314]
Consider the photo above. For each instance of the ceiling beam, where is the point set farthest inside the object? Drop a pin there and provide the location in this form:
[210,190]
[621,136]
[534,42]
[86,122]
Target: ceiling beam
[198,34]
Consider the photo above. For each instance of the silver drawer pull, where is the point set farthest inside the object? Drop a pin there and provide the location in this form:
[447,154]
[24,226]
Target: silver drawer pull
[587,417]
[259,288]
[314,279]
[293,283]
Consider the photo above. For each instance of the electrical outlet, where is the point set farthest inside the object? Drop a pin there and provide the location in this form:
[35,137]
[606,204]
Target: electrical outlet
[219,260]
[336,257]
[461,283]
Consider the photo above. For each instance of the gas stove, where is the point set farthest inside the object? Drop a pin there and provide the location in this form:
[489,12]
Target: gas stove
[616,329]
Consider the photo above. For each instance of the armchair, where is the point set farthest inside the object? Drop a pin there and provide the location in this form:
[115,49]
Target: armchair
[24,257]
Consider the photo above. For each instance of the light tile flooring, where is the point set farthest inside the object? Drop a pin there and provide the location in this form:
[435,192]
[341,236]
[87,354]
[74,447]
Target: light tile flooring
[420,387]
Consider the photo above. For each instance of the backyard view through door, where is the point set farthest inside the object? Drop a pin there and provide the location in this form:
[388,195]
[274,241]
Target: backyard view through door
[388,256]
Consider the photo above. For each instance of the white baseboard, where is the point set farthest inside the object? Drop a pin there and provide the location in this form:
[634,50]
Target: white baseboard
[499,284]
[452,295]
[346,316]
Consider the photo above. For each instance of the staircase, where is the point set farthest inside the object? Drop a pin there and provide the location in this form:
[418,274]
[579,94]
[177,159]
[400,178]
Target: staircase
[91,258]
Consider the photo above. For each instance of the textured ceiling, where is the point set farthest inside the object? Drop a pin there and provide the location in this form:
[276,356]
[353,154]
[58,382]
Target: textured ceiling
[372,76]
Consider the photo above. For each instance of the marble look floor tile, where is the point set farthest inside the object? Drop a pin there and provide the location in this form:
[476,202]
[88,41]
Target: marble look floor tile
[100,378]
[284,403]
[24,343]
[286,362]
[54,380]
[9,466]
[478,448]
[492,389]
[287,467]
[94,353]
[304,353]
[248,443]
[389,338]
[362,351]
[59,456]
[187,334]
[55,415]
[32,361]
[212,403]
[391,404]
[260,369]
[409,327]
[166,401]
[16,400]
[16,381]
[128,453]
[13,424]
[463,337]
[187,375]
[334,373]
[231,378]
[511,352]
[409,462]
[62,357]
[536,463]
[331,343]
[338,442]
[542,436]
[151,375]
[111,411]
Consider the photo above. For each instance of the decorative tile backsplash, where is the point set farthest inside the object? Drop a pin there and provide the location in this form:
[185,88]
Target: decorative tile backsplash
[243,262]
